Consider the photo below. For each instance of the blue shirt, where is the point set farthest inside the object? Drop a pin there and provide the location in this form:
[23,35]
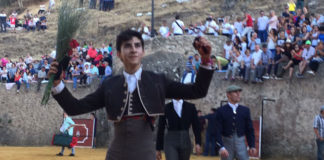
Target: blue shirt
[94,71]
[66,124]
[108,71]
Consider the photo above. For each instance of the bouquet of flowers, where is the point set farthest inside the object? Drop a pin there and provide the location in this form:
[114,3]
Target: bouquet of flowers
[69,21]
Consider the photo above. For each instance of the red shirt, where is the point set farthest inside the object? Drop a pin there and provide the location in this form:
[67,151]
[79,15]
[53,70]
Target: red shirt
[12,20]
[92,53]
[99,57]
[249,21]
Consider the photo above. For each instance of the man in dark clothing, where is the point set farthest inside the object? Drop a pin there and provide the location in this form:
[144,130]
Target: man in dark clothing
[132,100]
[234,123]
[210,142]
[3,21]
[178,117]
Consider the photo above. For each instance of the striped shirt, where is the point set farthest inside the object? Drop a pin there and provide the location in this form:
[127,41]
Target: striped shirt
[319,124]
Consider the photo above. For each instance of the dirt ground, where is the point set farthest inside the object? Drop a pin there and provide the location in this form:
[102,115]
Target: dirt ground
[48,153]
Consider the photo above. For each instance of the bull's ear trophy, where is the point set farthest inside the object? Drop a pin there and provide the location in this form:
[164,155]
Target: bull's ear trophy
[70,19]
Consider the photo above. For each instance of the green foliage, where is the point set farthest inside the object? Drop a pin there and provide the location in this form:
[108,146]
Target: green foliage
[69,21]
[9,121]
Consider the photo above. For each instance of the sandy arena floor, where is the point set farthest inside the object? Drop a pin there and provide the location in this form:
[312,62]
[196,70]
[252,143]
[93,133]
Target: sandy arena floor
[49,153]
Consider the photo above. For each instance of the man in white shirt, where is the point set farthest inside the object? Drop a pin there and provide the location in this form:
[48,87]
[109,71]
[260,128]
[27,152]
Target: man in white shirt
[178,26]
[256,64]
[3,19]
[308,54]
[262,27]
[164,29]
[211,27]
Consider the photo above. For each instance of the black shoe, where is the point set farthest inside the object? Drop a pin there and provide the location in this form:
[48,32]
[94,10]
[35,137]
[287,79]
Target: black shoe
[59,154]
[71,155]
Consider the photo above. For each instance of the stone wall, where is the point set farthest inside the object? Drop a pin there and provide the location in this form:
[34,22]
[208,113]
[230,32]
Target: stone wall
[288,121]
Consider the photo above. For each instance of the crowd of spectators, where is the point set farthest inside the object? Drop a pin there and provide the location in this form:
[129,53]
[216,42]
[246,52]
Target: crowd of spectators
[29,22]
[260,47]
[87,63]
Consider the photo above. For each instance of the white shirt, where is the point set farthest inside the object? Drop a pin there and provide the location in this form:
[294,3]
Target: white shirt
[164,31]
[176,28]
[308,53]
[262,23]
[273,22]
[177,104]
[239,26]
[211,26]
[132,79]
[256,56]
[233,106]
[227,50]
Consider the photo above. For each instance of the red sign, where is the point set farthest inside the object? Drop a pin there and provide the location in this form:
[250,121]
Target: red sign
[84,131]
[257,132]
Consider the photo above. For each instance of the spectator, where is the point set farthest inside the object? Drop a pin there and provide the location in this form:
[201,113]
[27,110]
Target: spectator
[314,36]
[92,4]
[256,65]
[94,73]
[296,59]
[211,27]
[4,74]
[292,7]
[18,79]
[235,34]
[4,60]
[144,30]
[308,54]
[228,47]
[164,29]
[92,53]
[196,62]
[13,19]
[40,77]
[178,26]
[273,21]
[75,76]
[41,9]
[101,69]
[249,26]
[51,5]
[210,142]
[234,64]
[108,71]
[190,68]
[12,72]
[286,13]
[239,26]
[246,65]
[281,39]
[221,62]
[254,41]
[26,79]
[28,59]
[111,5]
[286,55]
[318,58]
[227,28]
[3,20]
[262,27]
[266,62]
[98,58]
